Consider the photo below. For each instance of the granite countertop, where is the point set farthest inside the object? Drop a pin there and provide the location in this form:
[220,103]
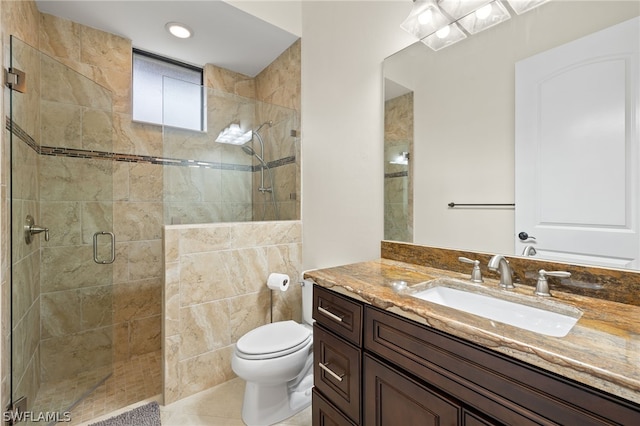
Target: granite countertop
[602,350]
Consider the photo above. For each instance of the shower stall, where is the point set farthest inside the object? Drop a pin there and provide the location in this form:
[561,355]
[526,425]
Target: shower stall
[90,193]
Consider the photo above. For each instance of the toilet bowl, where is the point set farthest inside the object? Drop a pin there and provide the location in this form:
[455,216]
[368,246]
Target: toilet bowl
[276,361]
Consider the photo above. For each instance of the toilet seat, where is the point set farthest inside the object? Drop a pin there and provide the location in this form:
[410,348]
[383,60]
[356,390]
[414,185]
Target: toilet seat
[273,340]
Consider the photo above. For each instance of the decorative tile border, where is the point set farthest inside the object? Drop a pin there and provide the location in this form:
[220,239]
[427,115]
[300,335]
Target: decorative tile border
[132,158]
[396,174]
[24,136]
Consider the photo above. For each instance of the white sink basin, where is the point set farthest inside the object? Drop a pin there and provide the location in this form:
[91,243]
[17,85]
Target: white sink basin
[518,315]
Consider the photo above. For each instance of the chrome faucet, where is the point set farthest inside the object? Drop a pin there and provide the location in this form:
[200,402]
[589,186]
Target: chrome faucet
[500,264]
[529,250]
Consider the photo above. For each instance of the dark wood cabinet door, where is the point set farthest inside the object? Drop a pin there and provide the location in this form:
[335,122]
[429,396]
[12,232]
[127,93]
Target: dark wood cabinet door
[391,398]
[325,414]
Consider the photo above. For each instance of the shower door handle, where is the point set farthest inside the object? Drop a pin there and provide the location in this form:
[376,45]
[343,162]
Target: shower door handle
[95,248]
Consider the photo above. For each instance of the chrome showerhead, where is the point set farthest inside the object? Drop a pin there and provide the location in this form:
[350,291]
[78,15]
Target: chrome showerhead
[247,149]
[234,135]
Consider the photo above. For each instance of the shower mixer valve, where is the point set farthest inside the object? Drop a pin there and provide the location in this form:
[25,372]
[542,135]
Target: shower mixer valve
[31,229]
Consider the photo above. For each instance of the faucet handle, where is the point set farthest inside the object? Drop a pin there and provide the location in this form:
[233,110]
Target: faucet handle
[476,274]
[542,286]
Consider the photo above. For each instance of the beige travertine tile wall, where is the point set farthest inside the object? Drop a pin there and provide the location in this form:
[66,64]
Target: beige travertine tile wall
[398,190]
[215,291]
[228,81]
[76,200]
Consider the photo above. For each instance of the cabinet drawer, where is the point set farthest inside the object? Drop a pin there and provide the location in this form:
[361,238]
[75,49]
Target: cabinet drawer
[392,398]
[325,414]
[336,371]
[339,314]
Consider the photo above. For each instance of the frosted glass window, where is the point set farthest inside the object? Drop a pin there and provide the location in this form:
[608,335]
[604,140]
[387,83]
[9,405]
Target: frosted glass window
[167,92]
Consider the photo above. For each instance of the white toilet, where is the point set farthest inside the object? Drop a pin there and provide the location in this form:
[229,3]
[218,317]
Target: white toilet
[276,361]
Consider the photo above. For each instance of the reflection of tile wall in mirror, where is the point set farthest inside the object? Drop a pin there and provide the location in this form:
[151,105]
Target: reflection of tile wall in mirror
[398,144]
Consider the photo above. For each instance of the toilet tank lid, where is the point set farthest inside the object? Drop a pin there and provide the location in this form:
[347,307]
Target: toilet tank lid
[274,337]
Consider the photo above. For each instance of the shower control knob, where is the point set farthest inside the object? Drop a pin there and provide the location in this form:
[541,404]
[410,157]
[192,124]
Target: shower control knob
[31,229]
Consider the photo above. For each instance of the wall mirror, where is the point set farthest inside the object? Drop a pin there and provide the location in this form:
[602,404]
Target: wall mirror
[462,147]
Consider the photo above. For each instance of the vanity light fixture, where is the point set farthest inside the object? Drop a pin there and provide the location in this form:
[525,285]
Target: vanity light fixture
[234,135]
[441,23]
[179,30]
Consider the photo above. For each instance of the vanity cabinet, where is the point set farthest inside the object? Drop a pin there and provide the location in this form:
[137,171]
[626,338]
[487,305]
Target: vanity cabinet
[396,371]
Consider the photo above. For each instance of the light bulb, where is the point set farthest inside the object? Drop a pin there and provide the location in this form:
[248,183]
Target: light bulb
[178,30]
[484,11]
[443,32]
[425,17]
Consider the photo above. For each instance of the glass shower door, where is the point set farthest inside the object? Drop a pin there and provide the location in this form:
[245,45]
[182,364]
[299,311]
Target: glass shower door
[61,141]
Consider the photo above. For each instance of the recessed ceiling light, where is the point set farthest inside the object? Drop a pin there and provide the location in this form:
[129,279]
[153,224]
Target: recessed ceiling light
[178,30]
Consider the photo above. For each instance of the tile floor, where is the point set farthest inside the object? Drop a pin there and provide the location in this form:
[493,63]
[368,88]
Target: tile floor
[131,381]
[134,380]
[218,406]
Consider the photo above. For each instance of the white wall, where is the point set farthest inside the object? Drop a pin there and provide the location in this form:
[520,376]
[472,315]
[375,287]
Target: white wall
[343,47]
[284,14]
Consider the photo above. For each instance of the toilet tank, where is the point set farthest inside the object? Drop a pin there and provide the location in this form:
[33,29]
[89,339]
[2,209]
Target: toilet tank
[307,302]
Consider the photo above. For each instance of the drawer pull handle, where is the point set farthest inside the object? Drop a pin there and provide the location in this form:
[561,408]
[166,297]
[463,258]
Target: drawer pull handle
[332,373]
[329,314]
